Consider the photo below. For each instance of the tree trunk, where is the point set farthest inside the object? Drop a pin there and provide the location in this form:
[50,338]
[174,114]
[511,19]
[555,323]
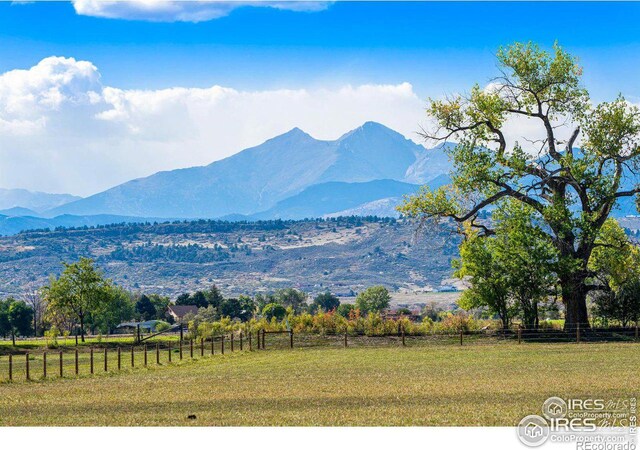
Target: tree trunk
[82,329]
[13,338]
[574,297]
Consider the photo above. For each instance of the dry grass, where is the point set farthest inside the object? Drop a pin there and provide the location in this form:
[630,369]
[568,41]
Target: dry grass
[493,384]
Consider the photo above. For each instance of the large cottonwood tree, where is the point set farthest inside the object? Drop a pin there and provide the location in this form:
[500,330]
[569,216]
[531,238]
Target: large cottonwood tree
[571,189]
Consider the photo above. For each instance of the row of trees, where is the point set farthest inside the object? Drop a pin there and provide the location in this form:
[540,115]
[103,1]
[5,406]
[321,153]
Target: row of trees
[82,299]
[514,272]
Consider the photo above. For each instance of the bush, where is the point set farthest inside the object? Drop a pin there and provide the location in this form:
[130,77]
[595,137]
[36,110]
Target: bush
[345,309]
[274,311]
[162,326]
[51,336]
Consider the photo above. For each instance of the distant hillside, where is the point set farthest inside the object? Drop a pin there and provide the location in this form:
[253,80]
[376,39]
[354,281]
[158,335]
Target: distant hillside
[342,254]
[12,224]
[326,198]
[36,201]
[256,179]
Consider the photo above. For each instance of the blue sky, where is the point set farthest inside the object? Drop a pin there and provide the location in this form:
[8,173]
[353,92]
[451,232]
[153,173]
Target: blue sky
[122,91]
[435,46]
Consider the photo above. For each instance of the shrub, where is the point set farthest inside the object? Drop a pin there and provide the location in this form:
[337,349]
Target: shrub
[51,336]
[162,326]
[274,311]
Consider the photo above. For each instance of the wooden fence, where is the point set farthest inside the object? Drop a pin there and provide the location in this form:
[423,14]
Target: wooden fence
[93,360]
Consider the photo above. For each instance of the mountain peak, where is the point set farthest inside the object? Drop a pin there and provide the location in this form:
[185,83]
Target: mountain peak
[371,128]
[296,132]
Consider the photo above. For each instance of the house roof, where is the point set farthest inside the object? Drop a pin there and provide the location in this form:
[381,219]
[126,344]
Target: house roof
[181,310]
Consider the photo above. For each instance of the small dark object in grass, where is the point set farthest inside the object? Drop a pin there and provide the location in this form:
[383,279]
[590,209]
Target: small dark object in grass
[191,417]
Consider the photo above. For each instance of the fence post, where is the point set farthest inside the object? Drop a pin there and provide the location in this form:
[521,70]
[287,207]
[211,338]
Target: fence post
[232,341]
[169,351]
[460,337]
[240,340]
[27,361]
[519,333]
[61,369]
[181,346]
[191,348]
[290,338]
[76,338]
[44,364]
[77,368]
[249,336]
[403,343]
[222,344]
[138,333]
[145,355]
[157,353]
[133,357]
[578,332]
[258,338]
[91,360]
[119,358]
[10,367]
[212,349]
[264,333]
[201,347]
[345,339]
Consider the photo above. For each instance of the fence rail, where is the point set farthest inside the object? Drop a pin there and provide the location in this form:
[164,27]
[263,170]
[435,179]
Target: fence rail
[93,360]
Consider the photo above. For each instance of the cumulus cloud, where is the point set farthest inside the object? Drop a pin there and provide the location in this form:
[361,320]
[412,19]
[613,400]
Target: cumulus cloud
[181,11]
[26,96]
[62,130]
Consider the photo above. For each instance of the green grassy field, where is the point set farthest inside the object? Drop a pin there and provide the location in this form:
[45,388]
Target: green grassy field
[492,384]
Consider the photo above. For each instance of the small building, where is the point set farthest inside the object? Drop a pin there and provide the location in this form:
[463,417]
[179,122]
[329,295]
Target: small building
[177,312]
[148,326]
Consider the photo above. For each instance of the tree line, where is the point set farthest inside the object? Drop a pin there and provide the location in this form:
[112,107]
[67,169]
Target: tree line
[83,300]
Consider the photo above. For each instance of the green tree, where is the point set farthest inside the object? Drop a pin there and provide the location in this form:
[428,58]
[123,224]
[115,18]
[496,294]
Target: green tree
[214,296]
[80,291]
[527,256]
[571,191]
[489,285]
[616,264]
[199,299]
[345,309]
[20,318]
[5,323]
[272,310]
[116,306]
[241,308]
[183,299]
[373,299]
[160,303]
[145,308]
[291,297]
[325,301]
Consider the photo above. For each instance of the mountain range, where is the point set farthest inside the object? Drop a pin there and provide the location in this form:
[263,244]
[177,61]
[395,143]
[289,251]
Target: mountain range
[291,176]
[255,180]
[366,171]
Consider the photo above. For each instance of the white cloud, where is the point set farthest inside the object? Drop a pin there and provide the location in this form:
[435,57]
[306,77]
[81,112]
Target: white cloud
[181,11]
[26,96]
[62,130]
